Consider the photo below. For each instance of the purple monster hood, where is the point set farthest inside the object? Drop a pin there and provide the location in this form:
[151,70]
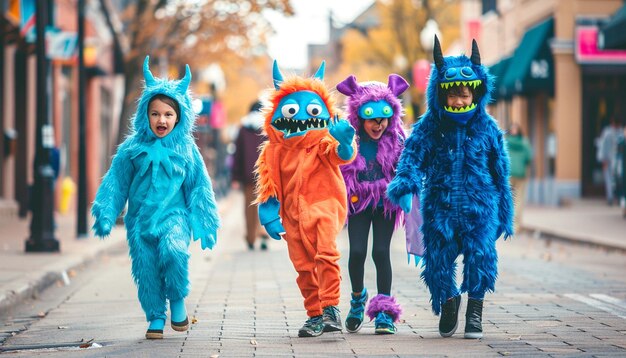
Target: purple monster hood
[390,145]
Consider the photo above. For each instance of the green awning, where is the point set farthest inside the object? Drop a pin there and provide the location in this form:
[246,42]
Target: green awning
[532,67]
[498,70]
[613,34]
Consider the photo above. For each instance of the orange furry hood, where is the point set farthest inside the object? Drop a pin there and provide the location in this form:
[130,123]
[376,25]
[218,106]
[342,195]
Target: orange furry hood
[287,87]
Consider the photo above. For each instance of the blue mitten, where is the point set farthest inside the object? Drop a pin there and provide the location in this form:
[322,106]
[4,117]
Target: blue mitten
[270,219]
[506,230]
[207,238]
[406,202]
[343,132]
[102,228]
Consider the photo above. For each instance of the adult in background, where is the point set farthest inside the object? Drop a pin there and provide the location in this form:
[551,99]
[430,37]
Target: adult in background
[246,153]
[520,155]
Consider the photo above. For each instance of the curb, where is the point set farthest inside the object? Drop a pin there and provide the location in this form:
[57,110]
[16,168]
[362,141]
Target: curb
[57,272]
[583,240]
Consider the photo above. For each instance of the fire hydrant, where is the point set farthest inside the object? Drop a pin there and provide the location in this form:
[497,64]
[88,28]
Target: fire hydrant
[67,192]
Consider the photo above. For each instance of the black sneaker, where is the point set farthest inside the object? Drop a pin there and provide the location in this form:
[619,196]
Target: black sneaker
[354,321]
[313,327]
[263,243]
[449,319]
[332,320]
[473,319]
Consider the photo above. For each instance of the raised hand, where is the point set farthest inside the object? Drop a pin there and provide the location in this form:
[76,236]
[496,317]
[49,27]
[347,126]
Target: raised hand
[343,132]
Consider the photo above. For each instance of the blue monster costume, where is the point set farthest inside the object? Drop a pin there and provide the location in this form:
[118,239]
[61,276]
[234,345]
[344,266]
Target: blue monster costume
[457,162]
[169,196]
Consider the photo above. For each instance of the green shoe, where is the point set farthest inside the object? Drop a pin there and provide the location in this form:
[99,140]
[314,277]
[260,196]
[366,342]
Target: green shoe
[354,321]
[384,324]
[332,319]
[313,327]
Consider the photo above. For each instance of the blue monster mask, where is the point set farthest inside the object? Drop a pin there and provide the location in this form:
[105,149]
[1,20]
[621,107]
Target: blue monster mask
[301,111]
[455,71]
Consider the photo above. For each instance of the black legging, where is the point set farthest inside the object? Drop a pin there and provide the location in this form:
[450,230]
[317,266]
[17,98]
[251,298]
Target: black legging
[358,232]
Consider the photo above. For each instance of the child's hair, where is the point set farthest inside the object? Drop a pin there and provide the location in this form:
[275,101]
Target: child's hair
[169,101]
[477,93]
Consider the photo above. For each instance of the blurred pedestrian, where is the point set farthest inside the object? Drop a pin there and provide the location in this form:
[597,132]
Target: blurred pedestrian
[520,155]
[607,155]
[158,169]
[247,144]
[375,111]
[620,170]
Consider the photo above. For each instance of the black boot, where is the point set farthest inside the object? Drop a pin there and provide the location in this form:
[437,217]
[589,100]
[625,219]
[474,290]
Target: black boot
[449,319]
[473,319]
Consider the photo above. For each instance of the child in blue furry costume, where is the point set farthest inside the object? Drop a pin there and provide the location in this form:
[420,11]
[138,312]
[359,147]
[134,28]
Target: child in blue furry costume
[456,160]
[375,111]
[159,170]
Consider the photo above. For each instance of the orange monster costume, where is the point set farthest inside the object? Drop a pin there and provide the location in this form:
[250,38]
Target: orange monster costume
[299,181]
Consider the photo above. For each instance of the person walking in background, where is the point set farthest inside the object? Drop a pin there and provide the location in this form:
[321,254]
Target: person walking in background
[247,144]
[607,155]
[620,171]
[520,155]
[158,169]
[375,111]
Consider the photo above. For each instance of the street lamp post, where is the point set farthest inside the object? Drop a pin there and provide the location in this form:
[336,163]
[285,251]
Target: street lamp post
[81,219]
[42,226]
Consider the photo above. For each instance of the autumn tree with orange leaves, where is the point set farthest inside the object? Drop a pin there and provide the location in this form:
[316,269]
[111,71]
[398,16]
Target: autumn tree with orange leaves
[189,32]
[394,44]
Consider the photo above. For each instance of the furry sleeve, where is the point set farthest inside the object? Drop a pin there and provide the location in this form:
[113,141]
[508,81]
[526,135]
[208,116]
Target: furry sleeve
[499,169]
[265,185]
[113,191]
[330,148]
[199,197]
[409,171]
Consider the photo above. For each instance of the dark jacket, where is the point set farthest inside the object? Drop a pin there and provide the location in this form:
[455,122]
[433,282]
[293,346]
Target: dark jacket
[246,153]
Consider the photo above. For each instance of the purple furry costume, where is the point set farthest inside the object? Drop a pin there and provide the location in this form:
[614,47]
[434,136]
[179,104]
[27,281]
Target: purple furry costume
[367,194]
[364,194]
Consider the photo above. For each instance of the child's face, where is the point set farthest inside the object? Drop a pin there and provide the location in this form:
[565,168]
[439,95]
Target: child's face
[461,98]
[375,127]
[162,118]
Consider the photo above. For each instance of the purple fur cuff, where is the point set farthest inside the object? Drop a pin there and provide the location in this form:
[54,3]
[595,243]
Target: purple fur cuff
[384,303]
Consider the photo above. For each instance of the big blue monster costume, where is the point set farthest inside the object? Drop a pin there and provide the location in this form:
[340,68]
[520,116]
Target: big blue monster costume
[169,196]
[456,160]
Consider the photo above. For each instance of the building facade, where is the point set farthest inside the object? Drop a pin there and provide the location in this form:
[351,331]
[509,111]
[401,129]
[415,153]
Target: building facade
[553,79]
[19,101]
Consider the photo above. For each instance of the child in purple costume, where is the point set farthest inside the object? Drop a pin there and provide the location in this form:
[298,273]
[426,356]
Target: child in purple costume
[375,111]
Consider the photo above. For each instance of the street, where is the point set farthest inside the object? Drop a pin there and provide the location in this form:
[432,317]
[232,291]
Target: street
[551,299]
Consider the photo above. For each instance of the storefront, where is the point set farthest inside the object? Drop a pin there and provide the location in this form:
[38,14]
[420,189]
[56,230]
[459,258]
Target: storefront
[603,90]
[525,90]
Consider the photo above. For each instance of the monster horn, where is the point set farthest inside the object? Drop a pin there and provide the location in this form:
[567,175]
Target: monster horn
[184,83]
[147,75]
[475,54]
[437,54]
[320,71]
[277,76]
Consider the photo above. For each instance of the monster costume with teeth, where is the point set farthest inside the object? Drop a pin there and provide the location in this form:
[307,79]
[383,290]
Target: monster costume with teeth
[169,196]
[455,159]
[300,190]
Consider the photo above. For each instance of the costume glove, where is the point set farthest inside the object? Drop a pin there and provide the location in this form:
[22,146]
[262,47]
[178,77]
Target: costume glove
[343,132]
[406,202]
[102,228]
[270,219]
[207,237]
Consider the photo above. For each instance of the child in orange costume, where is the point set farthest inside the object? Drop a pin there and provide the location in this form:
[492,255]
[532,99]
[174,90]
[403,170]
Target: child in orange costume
[301,187]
